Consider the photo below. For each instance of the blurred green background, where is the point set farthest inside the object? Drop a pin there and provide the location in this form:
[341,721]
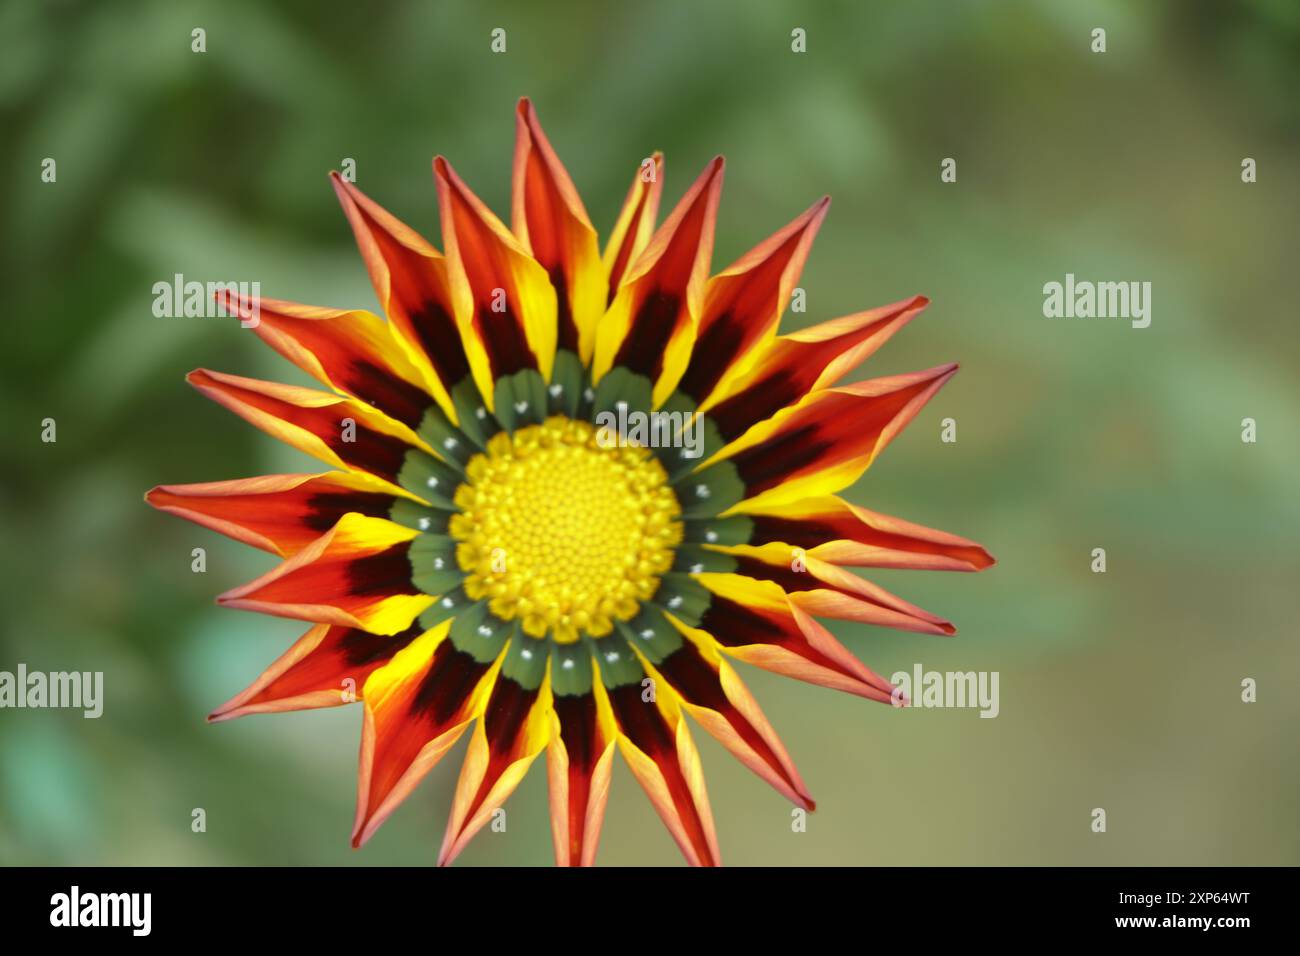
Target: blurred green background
[1119,691]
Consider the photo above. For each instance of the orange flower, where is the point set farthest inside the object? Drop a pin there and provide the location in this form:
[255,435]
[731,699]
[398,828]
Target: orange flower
[570,487]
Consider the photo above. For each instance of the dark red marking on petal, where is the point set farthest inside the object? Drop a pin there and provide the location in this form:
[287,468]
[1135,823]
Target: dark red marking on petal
[452,676]
[643,349]
[567,330]
[845,426]
[580,731]
[734,625]
[645,726]
[343,653]
[726,336]
[398,399]
[503,721]
[696,680]
[388,572]
[325,508]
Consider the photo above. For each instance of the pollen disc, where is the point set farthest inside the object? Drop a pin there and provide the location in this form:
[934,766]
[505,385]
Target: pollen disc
[562,532]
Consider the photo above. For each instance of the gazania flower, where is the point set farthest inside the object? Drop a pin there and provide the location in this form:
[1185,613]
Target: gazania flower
[489,552]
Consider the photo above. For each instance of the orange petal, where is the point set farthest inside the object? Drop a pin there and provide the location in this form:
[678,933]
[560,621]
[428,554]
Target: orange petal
[416,707]
[826,442]
[410,279]
[827,590]
[654,740]
[515,728]
[636,221]
[357,574]
[651,325]
[550,221]
[712,693]
[325,667]
[791,366]
[315,422]
[838,532]
[503,299]
[755,621]
[352,351]
[744,302]
[277,513]
[579,761]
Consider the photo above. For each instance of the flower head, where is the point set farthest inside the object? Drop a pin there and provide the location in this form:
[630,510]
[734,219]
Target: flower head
[569,487]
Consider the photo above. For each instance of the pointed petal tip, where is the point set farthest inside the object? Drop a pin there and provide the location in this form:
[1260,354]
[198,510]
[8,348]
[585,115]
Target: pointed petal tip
[940,374]
[342,189]
[362,833]
[200,377]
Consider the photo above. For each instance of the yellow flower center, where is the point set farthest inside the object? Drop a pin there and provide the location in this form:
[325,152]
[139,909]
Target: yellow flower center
[562,533]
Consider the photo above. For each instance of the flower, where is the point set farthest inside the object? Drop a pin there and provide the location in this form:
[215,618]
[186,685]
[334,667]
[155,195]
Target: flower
[491,551]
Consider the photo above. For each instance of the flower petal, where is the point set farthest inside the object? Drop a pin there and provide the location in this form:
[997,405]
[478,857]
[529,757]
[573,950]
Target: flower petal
[754,621]
[516,726]
[826,590]
[416,707]
[655,742]
[284,513]
[503,299]
[832,529]
[817,447]
[318,423]
[789,367]
[744,302]
[710,691]
[325,667]
[550,221]
[352,351]
[636,221]
[651,325]
[579,757]
[357,574]
[410,280]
